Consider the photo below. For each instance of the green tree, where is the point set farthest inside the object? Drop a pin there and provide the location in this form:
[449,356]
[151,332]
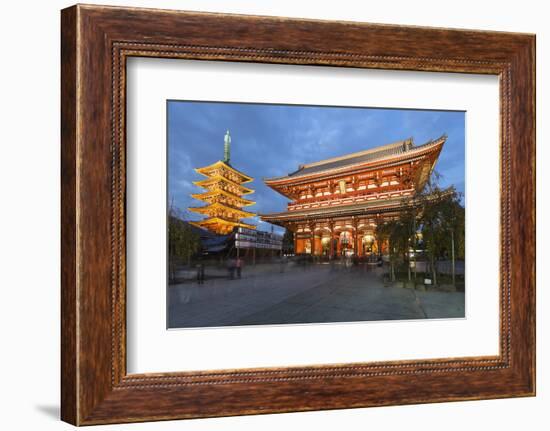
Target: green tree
[407,232]
[442,223]
[183,242]
[394,232]
[439,216]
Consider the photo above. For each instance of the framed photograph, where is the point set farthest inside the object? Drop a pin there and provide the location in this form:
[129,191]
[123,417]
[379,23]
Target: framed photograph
[264,215]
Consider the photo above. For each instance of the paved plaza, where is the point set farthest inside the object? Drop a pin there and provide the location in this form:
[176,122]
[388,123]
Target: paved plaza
[312,294]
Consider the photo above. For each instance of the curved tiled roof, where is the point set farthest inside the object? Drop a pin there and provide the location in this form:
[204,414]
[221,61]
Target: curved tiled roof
[378,153]
[361,208]
[349,209]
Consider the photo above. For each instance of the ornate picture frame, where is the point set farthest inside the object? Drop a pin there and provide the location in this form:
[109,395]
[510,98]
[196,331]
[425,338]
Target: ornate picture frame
[96,41]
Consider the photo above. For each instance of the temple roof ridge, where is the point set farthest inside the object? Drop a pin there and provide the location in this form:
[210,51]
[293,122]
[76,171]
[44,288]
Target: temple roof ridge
[369,155]
[393,145]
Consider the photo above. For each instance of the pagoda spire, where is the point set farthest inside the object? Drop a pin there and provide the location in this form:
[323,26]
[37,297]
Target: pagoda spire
[227,147]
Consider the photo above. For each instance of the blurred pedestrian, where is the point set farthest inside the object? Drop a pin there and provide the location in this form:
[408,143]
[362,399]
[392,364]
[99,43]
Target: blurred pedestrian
[239,265]
[200,273]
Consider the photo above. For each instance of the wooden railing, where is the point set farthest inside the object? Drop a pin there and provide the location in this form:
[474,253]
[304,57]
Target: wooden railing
[348,198]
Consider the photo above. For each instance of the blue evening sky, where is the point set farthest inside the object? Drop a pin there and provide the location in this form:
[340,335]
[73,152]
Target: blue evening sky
[272,140]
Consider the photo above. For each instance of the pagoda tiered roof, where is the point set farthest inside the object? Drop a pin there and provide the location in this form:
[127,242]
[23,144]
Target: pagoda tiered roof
[220,208]
[223,197]
[220,195]
[220,225]
[215,181]
[230,171]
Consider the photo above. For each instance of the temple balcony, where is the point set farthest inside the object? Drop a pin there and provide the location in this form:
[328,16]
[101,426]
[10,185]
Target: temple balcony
[349,198]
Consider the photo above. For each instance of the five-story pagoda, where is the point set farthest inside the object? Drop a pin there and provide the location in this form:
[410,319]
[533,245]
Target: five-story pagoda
[223,196]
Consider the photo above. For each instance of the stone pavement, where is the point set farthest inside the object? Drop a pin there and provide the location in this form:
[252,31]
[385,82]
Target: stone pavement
[314,294]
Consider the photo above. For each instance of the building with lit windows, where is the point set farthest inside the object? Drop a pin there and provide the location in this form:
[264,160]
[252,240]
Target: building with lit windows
[336,204]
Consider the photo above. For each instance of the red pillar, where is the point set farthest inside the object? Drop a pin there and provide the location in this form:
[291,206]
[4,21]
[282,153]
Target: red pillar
[331,236]
[355,238]
[312,228]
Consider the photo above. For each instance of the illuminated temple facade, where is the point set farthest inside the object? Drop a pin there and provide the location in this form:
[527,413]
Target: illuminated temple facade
[336,204]
[223,195]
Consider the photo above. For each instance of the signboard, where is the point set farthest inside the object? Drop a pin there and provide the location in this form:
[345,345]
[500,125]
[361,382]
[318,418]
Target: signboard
[249,238]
